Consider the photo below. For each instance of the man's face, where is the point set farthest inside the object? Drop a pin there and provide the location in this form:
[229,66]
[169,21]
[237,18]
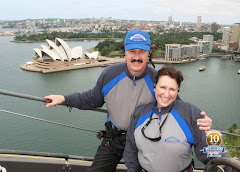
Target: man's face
[136,61]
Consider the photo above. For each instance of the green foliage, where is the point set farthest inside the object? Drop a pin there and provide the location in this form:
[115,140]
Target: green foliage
[158,51]
[186,58]
[67,35]
[230,130]
[172,37]
[107,46]
[234,126]
[232,141]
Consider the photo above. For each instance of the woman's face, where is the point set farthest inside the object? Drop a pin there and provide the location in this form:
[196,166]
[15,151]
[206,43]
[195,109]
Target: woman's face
[166,91]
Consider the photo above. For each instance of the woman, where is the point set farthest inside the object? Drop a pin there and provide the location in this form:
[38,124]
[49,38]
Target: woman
[161,135]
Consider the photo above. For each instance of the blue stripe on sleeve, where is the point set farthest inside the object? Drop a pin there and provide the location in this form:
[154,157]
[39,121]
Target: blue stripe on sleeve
[182,123]
[150,85]
[112,83]
[142,119]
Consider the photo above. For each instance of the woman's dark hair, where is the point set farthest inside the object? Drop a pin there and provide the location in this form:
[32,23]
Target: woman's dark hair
[172,72]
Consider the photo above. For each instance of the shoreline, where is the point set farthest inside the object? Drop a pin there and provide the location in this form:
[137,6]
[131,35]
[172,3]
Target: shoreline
[102,61]
[58,66]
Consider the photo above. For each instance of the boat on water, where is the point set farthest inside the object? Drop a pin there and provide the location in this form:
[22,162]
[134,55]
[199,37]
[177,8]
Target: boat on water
[238,71]
[237,58]
[202,68]
[26,161]
[226,57]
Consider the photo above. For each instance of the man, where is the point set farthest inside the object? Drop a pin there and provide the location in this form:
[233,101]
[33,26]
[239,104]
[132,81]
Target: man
[123,87]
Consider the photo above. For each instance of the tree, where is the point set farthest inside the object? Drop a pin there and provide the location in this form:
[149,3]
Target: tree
[105,51]
[234,126]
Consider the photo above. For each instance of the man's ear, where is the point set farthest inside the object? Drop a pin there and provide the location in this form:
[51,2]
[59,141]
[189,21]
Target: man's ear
[149,55]
[124,55]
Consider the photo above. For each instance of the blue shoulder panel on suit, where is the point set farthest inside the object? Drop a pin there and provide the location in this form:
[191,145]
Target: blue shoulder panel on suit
[182,123]
[142,119]
[150,85]
[112,83]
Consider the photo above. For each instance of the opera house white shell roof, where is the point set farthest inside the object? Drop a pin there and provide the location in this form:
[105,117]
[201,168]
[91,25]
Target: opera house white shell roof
[93,55]
[58,51]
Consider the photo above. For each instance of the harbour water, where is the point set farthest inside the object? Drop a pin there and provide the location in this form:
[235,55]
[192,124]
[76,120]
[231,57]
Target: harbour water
[215,90]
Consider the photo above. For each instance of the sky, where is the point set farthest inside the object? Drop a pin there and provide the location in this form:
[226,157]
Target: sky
[224,12]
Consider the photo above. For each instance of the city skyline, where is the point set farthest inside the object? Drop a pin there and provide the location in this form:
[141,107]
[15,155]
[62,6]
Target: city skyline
[222,12]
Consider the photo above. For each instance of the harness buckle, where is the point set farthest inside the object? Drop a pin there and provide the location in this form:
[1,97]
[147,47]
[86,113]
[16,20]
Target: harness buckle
[101,134]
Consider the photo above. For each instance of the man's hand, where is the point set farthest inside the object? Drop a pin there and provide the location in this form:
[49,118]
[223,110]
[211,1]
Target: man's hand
[54,100]
[204,123]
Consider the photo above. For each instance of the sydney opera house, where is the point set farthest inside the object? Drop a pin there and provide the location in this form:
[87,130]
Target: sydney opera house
[58,56]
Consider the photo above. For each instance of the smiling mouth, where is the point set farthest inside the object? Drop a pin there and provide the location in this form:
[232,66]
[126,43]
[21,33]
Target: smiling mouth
[139,61]
[165,99]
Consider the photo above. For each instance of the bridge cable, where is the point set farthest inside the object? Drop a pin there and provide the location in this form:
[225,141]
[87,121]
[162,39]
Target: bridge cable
[44,120]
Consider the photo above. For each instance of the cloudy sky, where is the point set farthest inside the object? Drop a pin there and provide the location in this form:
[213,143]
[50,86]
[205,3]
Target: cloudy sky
[220,11]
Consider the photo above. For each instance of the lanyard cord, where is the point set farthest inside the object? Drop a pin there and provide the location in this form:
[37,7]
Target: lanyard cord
[166,116]
[44,120]
[149,121]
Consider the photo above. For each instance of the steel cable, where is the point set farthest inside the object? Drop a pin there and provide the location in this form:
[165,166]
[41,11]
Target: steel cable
[44,120]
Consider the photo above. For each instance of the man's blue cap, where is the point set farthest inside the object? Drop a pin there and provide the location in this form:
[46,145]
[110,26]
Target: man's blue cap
[137,39]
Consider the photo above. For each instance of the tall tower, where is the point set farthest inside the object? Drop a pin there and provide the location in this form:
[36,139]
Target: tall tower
[226,36]
[210,39]
[169,20]
[199,20]
[214,27]
[235,35]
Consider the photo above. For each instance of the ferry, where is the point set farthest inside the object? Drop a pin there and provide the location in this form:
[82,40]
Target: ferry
[227,57]
[27,161]
[202,68]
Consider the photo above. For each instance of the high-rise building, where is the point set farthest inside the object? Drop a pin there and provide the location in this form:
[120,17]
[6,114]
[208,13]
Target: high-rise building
[33,24]
[226,36]
[204,47]
[175,52]
[199,20]
[172,51]
[210,39]
[169,20]
[214,27]
[235,35]
[190,50]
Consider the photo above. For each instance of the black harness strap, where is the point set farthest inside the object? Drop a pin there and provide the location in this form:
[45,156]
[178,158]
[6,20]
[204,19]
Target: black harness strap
[189,166]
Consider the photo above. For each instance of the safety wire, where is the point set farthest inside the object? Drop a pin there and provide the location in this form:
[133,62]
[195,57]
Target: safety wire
[44,120]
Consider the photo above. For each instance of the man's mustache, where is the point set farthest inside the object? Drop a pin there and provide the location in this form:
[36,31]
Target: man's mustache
[139,60]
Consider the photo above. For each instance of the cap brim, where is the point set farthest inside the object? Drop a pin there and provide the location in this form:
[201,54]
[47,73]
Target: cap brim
[137,46]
